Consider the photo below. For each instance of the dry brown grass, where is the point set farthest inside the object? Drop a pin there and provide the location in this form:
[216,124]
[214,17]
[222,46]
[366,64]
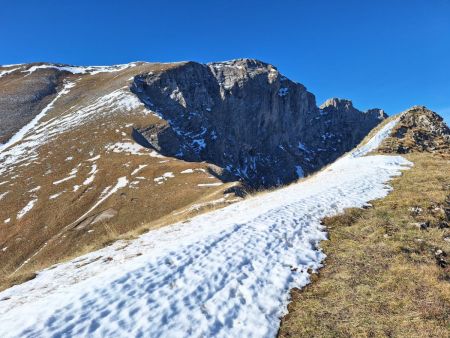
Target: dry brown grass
[12,280]
[138,213]
[47,234]
[382,277]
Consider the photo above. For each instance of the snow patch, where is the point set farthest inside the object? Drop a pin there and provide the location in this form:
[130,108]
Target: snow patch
[375,141]
[17,137]
[299,171]
[92,70]
[302,147]
[132,148]
[93,159]
[210,184]
[226,273]
[138,169]
[122,182]
[198,206]
[283,92]
[12,65]
[164,177]
[26,208]
[8,71]
[72,175]
[52,197]
[91,174]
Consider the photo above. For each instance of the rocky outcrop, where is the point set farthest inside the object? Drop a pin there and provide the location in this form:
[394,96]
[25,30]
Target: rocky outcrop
[344,106]
[418,130]
[341,127]
[246,117]
[241,115]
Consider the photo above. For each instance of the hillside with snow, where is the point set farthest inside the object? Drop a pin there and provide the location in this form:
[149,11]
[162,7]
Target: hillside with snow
[72,176]
[226,273]
[90,155]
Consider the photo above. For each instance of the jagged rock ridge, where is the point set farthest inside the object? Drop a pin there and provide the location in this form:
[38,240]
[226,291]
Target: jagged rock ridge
[246,117]
[418,130]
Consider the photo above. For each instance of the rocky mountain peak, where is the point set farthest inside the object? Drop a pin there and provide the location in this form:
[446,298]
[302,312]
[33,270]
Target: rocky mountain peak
[419,129]
[337,105]
[244,62]
[379,113]
[245,116]
[242,115]
[420,117]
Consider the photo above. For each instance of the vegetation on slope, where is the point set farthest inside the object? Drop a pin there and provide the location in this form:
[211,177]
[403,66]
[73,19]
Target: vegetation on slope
[388,270]
[67,173]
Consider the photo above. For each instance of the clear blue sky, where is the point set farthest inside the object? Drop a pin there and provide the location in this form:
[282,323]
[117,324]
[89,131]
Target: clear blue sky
[387,54]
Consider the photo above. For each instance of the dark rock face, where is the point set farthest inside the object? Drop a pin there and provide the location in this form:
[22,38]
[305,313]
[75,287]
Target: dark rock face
[418,130]
[340,127]
[23,96]
[246,117]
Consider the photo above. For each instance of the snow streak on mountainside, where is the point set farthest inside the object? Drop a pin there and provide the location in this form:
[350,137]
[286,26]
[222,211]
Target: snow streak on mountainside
[92,70]
[222,274]
[375,141]
[14,154]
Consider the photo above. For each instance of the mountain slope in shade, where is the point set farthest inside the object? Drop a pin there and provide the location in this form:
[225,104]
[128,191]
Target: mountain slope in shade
[245,116]
[23,96]
[90,154]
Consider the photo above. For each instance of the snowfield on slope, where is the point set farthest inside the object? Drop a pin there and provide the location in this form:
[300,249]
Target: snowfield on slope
[22,146]
[226,273]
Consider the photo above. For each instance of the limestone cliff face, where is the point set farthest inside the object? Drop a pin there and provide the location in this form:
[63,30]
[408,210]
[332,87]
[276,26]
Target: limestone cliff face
[345,125]
[246,117]
[241,115]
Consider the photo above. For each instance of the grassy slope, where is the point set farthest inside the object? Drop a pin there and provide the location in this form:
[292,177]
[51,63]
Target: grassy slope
[382,276]
[150,206]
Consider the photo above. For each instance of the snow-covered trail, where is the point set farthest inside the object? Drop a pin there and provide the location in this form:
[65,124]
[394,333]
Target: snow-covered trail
[223,274]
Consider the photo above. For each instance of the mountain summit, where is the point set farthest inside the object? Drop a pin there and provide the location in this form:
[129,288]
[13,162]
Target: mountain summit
[246,117]
[336,105]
